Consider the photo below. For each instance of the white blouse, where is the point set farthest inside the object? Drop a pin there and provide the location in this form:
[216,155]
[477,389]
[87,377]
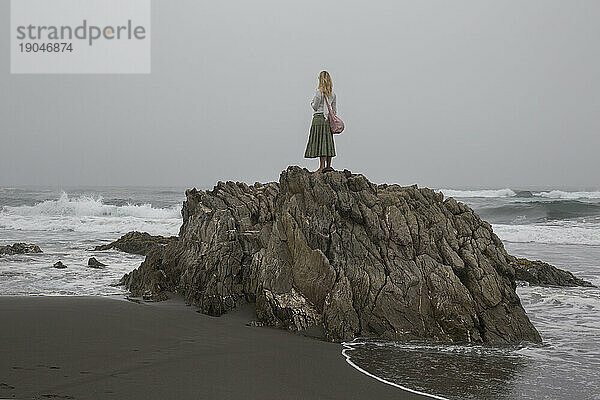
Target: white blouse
[318,103]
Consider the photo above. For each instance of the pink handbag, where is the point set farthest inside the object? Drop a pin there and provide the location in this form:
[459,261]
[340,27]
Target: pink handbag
[335,123]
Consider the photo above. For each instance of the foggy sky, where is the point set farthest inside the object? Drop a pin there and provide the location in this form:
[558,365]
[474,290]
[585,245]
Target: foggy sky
[442,94]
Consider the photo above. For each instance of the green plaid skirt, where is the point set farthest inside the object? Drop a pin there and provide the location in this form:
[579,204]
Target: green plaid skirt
[320,142]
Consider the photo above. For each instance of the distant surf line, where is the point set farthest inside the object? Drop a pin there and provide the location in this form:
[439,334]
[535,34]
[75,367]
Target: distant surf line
[507,192]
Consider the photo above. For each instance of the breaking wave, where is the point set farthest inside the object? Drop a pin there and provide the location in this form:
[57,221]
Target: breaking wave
[572,234]
[559,194]
[500,193]
[88,206]
[540,210]
[90,214]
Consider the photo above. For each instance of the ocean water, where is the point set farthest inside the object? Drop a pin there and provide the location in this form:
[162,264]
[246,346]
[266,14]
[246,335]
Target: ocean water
[68,224]
[559,227]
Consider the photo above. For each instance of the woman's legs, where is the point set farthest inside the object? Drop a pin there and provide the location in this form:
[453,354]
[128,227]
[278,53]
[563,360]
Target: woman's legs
[322,161]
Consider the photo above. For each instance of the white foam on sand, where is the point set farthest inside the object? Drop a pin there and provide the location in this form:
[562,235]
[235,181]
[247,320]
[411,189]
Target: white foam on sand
[348,346]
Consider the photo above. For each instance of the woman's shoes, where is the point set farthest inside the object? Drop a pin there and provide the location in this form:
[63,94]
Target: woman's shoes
[326,169]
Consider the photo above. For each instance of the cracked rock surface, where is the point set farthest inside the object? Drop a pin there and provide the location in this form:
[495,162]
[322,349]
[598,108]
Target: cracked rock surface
[336,250]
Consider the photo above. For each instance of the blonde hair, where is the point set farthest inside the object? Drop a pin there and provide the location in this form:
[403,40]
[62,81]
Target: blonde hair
[325,83]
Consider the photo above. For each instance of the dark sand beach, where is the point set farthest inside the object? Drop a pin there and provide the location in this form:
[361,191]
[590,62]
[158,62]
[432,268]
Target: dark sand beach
[104,348]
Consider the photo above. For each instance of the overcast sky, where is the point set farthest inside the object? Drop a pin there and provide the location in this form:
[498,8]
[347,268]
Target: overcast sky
[438,93]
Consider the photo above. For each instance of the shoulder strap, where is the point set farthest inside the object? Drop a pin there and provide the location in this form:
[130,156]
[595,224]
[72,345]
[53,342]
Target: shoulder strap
[327,102]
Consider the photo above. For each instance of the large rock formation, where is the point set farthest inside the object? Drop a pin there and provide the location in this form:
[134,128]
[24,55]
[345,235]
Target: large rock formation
[136,243]
[336,250]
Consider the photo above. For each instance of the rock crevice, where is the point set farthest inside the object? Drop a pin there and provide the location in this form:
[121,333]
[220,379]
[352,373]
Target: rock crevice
[336,250]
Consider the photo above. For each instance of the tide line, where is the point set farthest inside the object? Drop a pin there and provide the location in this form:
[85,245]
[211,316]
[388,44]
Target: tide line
[348,346]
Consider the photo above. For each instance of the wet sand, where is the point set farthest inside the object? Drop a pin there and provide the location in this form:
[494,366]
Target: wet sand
[103,348]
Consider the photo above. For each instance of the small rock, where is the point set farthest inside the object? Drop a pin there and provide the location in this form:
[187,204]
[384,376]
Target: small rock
[134,300]
[59,265]
[137,243]
[93,263]
[524,194]
[539,273]
[255,323]
[19,248]
[150,296]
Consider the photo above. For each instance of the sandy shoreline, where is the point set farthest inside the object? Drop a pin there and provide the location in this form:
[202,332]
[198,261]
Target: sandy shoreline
[103,348]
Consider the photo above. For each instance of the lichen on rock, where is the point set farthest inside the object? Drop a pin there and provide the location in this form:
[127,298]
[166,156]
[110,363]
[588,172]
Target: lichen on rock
[336,250]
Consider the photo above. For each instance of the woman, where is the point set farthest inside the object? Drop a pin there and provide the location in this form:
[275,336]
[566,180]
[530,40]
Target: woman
[320,142]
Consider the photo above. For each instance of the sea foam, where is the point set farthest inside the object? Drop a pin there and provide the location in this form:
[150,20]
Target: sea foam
[92,206]
[90,214]
[492,193]
[583,234]
[559,194]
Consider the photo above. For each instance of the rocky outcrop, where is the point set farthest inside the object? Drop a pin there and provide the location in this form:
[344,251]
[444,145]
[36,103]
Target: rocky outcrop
[137,243]
[539,273]
[336,250]
[93,263]
[59,265]
[19,248]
